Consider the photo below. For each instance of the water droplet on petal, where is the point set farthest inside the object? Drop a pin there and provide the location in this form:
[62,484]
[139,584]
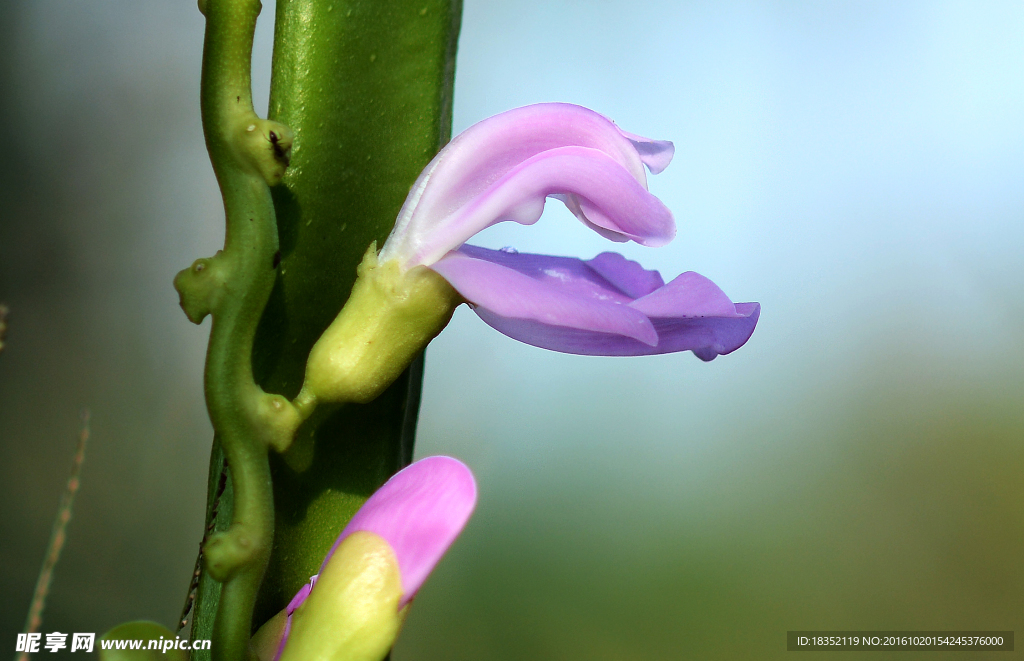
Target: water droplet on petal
[510,250]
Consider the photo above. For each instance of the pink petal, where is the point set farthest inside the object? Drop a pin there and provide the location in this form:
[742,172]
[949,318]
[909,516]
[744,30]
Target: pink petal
[419,512]
[469,165]
[623,206]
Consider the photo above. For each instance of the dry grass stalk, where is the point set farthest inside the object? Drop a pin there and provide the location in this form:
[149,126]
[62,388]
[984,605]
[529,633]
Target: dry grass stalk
[57,537]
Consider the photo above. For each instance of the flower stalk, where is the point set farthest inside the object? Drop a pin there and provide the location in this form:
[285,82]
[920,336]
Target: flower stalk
[249,154]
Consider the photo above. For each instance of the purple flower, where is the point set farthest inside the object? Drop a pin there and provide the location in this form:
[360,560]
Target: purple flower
[504,168]
[418,513]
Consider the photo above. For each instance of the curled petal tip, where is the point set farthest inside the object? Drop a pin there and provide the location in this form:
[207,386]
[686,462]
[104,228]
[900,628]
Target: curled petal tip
[655,154]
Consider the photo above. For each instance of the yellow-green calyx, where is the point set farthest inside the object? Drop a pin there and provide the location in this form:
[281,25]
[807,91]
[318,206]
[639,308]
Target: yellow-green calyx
[352,613]
[390,316]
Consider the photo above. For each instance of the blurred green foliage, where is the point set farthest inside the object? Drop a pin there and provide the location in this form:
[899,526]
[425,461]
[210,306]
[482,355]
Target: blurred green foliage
[898,507]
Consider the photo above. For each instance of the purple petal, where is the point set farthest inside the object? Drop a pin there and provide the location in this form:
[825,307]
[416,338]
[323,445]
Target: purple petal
[631,278]
[419,512]
[469,165]
[708,337]
[559,292]
[568,305]
[689,295]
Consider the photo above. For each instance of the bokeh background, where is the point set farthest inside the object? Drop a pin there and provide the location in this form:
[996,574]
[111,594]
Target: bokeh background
[857,167]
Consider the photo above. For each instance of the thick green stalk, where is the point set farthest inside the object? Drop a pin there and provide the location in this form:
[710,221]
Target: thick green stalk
[248,156]
[367,87]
